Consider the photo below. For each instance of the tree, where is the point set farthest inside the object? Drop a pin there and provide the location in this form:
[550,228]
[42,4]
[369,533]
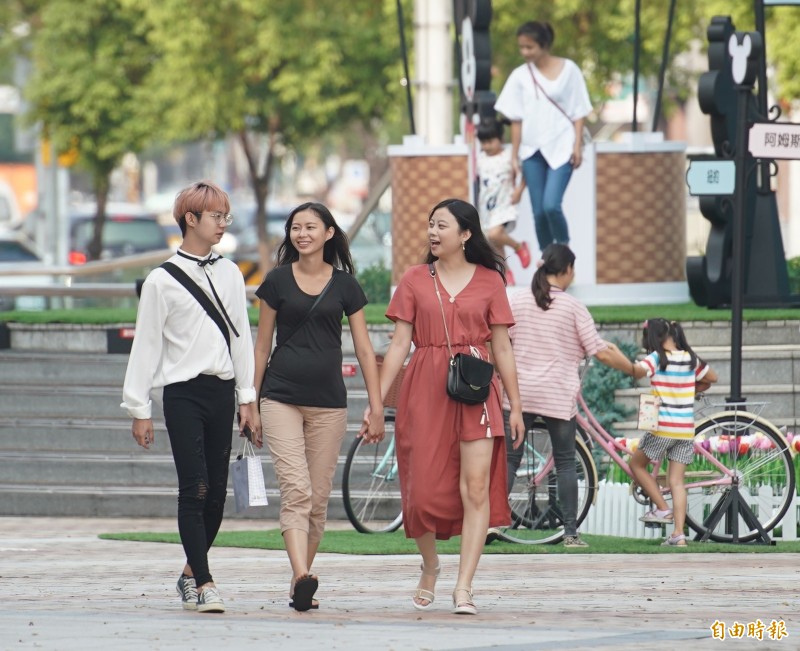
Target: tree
[599,36]
[90,59]
[284,71]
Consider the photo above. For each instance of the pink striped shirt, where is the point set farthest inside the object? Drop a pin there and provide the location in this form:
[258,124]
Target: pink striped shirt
[548,348]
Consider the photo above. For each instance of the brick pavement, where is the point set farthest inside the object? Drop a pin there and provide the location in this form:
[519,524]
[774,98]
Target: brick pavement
[64,589]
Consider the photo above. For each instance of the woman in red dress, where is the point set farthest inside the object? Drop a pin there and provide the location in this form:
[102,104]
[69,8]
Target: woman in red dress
[450,454]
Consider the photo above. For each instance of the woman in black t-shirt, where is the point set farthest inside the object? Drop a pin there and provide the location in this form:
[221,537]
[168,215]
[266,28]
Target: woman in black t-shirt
[303,399]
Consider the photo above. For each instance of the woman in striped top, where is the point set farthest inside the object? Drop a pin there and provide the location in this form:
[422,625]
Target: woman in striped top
[673,369]
[553,334]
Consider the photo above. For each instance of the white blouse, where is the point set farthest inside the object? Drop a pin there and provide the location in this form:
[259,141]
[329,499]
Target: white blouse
[176,340]
[544,127]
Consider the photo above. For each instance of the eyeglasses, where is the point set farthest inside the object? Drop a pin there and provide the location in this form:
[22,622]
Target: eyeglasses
[219,217]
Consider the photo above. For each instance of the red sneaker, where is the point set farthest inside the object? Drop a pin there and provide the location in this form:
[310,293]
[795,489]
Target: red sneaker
[509,277]
[524,255]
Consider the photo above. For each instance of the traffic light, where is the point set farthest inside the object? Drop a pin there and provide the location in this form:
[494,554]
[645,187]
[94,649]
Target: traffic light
[476,96]
[709,276]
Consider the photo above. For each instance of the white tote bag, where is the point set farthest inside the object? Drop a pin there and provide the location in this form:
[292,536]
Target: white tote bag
[248,479]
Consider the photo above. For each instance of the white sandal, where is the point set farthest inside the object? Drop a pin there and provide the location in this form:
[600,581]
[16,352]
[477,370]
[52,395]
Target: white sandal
[464,606]
[427,595]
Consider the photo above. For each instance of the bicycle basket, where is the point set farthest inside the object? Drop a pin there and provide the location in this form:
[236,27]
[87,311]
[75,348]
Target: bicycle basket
[393,395]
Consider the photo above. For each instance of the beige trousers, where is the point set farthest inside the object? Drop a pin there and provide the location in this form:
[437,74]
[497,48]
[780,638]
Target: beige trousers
[304,443]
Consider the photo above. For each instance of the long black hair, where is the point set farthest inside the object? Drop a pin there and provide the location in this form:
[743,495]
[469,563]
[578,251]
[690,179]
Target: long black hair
[654,335]
[337,249]
[477,249]
[556,259]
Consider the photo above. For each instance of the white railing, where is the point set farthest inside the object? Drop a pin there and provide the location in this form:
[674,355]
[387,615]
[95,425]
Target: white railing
[63,277]
[616,513]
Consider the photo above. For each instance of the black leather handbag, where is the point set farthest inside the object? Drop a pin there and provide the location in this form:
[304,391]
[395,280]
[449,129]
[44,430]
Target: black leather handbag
[468,377]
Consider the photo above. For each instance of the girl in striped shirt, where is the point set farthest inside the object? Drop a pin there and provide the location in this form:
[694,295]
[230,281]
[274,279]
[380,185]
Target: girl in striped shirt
[674,371]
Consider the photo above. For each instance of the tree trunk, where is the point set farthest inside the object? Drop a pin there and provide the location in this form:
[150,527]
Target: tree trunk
[101,189]
[260,180]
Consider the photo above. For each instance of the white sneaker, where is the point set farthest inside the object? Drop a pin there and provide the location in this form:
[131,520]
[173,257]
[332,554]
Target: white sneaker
[209,601]
[187,589]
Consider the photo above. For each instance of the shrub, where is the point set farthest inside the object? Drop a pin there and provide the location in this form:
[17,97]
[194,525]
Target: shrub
[376,281]
[793,269]
[600,384]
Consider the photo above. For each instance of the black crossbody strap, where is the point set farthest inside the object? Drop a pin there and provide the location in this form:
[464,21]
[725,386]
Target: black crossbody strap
[308,314]
[192,287]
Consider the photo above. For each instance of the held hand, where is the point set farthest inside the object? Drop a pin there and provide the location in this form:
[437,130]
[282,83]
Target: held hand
[516,195]
[515,166]
[517,428]
[247,425]
[376,428]
[142,430]
[363,431]
[258,429]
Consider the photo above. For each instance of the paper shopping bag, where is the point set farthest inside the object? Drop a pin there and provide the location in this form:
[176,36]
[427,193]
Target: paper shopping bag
[648,412]
[248,479]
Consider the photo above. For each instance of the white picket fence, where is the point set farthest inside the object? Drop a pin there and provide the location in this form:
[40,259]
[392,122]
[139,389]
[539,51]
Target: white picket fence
[616,513]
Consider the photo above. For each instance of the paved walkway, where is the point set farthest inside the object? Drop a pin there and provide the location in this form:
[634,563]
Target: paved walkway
[64,589]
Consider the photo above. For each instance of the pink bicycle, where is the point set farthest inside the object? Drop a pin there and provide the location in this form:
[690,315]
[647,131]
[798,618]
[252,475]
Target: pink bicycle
[740,484]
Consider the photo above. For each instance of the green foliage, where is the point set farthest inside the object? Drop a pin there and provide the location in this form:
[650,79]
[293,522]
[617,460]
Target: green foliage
[376,281]
[90,59]
[598,35]
[599,385]
[793,269]
[276,73]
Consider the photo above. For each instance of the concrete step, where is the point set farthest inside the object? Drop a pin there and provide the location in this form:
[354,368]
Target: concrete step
[96,501]
[93,339]
[53,368]
[716,333]
[96,402]
[132,469]
[90,435]
[103,370]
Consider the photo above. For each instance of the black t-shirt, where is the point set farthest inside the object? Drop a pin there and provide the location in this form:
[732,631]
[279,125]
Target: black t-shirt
[307,369]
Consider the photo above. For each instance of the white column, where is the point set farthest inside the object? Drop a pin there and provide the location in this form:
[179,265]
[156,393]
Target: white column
[433,70]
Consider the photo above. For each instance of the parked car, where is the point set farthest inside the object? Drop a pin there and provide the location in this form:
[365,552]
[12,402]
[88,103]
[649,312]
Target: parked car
[244,227]
[127,230]
[17,253]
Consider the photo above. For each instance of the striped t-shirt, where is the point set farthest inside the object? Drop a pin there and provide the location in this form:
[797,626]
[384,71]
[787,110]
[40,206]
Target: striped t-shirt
[549,346]
[674,386]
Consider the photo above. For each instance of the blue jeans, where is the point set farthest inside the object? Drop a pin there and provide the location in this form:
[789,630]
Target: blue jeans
[546,187]
[562,438]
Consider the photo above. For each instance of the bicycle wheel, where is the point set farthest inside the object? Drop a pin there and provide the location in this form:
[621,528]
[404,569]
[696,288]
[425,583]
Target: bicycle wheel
[759,465]
[371,487]
[536,515]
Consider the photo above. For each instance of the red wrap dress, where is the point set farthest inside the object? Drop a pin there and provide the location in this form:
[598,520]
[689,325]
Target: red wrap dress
[430,425]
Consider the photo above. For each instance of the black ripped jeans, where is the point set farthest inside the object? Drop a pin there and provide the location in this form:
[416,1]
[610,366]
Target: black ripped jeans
[199,419]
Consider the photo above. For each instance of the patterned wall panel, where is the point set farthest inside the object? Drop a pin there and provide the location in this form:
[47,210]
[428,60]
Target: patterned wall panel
[641,217]
[418,184]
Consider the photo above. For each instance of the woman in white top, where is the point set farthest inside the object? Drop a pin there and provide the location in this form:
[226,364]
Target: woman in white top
[547,102]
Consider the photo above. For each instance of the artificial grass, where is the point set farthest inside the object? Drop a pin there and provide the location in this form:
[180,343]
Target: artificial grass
[352,542]
[374,314]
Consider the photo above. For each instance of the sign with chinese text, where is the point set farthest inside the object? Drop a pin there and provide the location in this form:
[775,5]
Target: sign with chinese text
[716,177]
[775,140]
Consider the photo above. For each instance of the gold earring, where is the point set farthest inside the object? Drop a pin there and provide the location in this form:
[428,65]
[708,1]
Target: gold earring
[463,248]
